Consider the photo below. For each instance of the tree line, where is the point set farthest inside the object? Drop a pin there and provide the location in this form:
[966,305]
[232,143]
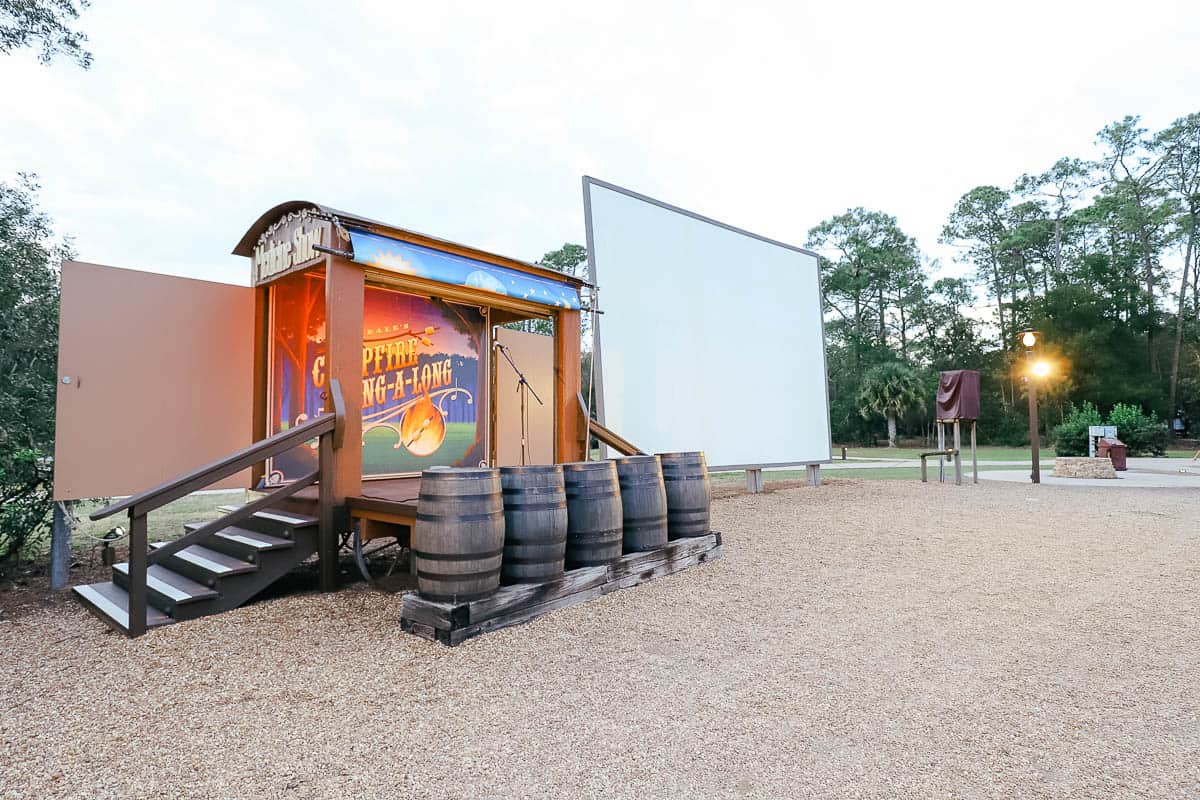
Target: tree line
[1099,255]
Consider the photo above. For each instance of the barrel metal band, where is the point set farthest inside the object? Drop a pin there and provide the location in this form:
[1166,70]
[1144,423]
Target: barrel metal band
[644,520]
[458,556]
[593,536]
[573,493]
[444,496]
[423,517]
[523,541]
[535,506]
[457,576]
[552,560]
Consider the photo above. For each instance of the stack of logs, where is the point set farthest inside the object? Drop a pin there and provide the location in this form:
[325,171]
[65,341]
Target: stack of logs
[553,535]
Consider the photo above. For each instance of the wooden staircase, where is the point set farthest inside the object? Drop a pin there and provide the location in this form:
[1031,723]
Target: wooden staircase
[219,565]
[221,572]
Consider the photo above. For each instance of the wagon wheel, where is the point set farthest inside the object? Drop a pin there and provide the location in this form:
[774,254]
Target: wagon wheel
[382,560]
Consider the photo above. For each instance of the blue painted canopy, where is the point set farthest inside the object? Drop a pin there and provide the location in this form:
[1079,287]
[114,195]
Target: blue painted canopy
[424,262]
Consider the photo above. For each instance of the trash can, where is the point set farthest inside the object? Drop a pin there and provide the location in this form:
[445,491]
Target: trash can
[1114,450]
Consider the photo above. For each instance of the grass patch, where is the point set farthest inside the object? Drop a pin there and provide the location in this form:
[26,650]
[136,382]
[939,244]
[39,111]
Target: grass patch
[986,453]
[162,525]
[864,473]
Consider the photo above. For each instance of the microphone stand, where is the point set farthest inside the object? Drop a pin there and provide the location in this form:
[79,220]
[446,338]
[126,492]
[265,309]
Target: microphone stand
[523,388]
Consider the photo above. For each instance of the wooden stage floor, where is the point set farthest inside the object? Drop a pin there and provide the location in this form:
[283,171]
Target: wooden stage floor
[386,500]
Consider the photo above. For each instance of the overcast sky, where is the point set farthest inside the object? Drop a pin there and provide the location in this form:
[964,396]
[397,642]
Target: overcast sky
[475,121]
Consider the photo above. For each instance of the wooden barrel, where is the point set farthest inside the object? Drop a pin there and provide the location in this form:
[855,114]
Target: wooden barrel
[643,502]
[593,513]
[535,523]
[688,494]
[458,541]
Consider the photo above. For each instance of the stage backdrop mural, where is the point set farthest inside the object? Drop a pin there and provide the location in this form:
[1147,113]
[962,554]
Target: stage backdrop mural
[422,362]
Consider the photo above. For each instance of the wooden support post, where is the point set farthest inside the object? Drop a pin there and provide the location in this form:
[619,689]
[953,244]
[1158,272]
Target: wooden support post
[569,444]
[341,474]
[754,481]
[344,333]
[327,539]
[924,471]
[60,548]
[137,573]
[974,456]
[941,446]
[258,410]
[957,453]
[813,473]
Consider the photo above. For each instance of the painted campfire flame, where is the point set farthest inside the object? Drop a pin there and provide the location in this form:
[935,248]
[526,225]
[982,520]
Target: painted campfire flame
[416,431]
[423,428]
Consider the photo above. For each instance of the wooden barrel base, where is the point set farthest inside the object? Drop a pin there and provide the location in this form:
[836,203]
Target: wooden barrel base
[453,623]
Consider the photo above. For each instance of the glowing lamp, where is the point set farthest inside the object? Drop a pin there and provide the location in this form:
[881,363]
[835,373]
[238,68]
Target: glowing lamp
[1029,339]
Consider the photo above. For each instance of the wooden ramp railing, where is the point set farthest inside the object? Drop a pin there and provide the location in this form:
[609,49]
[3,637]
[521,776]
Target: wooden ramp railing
[610,438]
[328,429]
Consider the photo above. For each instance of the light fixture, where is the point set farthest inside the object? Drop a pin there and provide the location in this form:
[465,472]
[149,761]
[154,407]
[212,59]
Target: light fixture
[1029,338]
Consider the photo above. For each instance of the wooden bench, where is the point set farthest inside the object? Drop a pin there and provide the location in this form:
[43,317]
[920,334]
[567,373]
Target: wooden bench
[950,453]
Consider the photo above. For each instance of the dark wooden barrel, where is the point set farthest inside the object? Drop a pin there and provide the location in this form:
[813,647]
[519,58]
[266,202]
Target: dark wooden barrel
[458,541]
[643,502]
[535,523]
[688,494]
[593,513]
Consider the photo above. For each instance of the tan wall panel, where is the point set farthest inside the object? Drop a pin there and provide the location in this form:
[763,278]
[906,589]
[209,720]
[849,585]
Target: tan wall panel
[534,354]
[161,379]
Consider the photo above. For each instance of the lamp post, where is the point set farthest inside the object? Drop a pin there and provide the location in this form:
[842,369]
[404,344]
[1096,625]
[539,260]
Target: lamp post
[1029,339]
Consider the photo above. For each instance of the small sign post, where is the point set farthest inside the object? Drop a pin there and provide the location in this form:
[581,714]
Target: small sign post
[1097,432]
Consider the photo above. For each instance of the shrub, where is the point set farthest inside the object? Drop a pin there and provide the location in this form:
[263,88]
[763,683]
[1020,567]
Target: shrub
[1071,437]
[1143,435]
[25,500]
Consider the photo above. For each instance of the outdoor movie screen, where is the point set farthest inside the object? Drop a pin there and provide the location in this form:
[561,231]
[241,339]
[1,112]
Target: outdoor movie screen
[711,337]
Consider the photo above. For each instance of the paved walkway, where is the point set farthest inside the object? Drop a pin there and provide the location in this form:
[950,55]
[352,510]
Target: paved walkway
[1158,473]
[1142,472]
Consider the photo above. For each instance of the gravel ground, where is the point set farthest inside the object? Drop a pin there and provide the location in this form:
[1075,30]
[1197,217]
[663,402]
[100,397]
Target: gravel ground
[878,639]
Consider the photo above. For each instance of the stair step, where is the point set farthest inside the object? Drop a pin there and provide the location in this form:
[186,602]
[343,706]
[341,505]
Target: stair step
[252,539]
[206,565]
[111,603]
[175,588]
[285,517]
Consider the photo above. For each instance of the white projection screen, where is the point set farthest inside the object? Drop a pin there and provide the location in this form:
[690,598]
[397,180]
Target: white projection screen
[711,337]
